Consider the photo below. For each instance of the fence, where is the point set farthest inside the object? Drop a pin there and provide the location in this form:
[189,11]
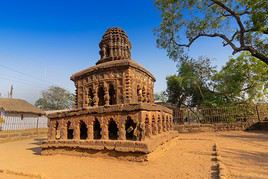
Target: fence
[239,113]
[14,122]
[14,128]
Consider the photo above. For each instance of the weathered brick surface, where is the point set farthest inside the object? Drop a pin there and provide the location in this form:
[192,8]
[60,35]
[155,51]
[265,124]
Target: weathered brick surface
[115,108]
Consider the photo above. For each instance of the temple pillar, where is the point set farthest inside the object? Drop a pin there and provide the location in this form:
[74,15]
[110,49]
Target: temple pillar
[63,129]
[76,127]
[148,99]
[106,94]
[154,126]
[95,96]
[148,126]
[142,131]
[143,95]
[52,130]
[122,130]
[159,123]
[167,123]
[139,94]
[164,123]
[86,98]
[171,123]
[90,132]
[104,126]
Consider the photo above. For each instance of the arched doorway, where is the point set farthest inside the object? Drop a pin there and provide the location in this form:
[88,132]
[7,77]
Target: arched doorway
[112,95]
[101,96]
[96,129]
[83,130]
[113,130]
[130,127]
[91,97]
[70,130]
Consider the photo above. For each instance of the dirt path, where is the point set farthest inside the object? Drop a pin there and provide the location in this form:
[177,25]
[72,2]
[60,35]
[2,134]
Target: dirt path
[188,156]
[172,160]
[245,155]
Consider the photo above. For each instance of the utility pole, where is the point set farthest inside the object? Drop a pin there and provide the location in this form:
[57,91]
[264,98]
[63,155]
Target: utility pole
[10,93]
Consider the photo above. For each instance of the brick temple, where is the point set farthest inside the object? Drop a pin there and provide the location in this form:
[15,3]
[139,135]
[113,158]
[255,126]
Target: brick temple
[115,107]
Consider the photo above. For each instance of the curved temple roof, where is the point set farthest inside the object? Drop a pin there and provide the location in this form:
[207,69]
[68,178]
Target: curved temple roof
[115,51]
[114,46]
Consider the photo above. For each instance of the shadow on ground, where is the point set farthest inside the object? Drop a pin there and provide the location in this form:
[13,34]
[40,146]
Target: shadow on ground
[37,142]
[261,136]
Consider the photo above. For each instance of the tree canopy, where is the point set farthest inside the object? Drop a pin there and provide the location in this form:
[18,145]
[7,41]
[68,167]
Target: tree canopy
[190,86]
[55,98]
[240,24]
[242,80]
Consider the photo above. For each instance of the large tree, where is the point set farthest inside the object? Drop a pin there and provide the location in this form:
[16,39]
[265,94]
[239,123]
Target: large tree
[55,98]
[240,24]
[242,80]
[190,86]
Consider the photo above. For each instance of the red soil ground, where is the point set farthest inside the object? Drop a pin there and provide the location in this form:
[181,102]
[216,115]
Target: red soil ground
[244,154]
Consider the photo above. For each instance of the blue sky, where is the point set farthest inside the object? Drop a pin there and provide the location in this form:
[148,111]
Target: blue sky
[43,42]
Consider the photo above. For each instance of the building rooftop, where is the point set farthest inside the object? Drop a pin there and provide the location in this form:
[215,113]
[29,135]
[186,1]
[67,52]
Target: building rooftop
[18,106]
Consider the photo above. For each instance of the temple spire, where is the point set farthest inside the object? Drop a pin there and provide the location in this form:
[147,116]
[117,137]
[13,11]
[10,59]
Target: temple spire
[114,46]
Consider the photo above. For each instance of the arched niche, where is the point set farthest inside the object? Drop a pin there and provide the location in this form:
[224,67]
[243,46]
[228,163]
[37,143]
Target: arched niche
[130,127]
[83,130]
[112,94]
[96,129]
[91,97]
[70,130]
[101,96]
[113,130]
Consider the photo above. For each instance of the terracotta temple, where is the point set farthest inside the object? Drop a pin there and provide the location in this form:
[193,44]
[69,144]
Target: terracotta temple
[115,107]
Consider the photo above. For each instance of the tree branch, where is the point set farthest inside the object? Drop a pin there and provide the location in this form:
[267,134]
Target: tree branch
[237,13]
[232,13]
[240,33]
[237,18]
[222,36]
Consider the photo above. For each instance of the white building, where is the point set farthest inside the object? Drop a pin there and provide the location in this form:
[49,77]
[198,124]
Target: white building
[16,114]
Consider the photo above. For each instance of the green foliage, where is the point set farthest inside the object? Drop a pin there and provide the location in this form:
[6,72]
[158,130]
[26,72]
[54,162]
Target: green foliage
[240,24]
[162,96]
[243,80]
[55,98]
[191,84]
